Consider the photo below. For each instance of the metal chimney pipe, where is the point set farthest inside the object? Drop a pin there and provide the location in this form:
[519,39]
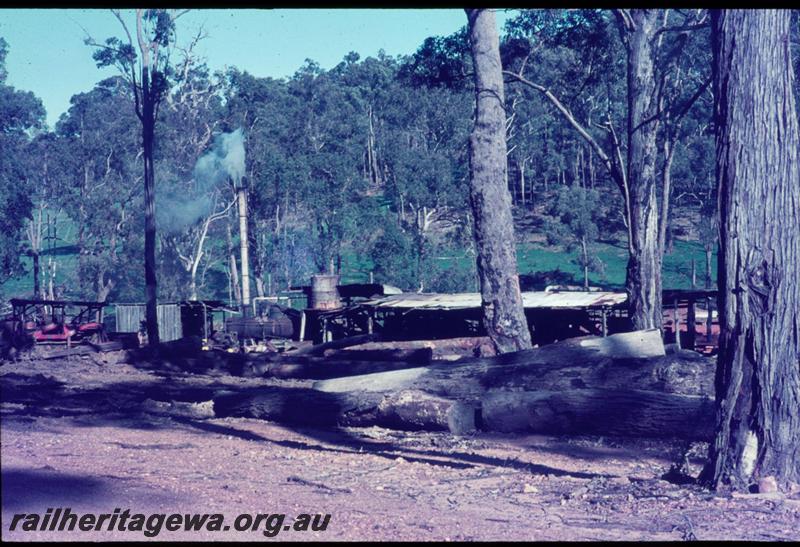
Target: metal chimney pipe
[241,191]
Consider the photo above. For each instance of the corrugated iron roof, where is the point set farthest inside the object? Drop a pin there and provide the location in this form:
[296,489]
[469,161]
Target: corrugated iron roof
[530,300]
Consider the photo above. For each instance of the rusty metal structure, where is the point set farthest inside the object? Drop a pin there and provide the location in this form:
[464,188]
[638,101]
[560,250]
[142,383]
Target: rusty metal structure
[57,322]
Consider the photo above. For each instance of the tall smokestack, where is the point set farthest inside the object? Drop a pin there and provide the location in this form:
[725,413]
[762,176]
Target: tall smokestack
[241,190]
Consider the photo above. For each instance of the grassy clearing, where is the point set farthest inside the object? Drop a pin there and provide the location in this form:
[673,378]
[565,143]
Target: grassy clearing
[531,258]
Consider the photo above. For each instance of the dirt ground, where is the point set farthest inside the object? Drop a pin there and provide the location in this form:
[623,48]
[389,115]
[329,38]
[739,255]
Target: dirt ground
[95,436]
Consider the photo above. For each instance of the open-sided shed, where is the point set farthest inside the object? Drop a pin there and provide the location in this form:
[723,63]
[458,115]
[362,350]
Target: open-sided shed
[553,314]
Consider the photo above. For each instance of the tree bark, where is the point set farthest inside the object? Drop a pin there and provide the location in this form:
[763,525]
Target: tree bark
[151,284]
[36,276]
[405,410]
[503,314]
[643,279]
[624,412]
[757,142]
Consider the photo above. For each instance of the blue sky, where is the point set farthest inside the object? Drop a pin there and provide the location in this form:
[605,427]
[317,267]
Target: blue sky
[47,54]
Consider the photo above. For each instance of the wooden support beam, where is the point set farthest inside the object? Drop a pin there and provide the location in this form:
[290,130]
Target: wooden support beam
[302,325]
[605,322]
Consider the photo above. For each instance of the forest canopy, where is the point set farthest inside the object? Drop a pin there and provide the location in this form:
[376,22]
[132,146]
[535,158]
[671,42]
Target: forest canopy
[360,169]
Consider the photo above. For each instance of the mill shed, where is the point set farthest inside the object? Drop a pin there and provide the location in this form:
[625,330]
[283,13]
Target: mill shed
[552,314]
[175,319]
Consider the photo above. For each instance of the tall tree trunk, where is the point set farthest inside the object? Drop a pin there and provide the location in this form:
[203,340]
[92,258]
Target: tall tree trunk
[757,142]
[585,259]
[103,287]
[666,194]
[36,276]
[503,314]
[151,285]
[643,279]
[51,266]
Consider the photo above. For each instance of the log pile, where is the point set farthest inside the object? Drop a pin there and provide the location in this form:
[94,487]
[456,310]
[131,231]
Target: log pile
[623,384]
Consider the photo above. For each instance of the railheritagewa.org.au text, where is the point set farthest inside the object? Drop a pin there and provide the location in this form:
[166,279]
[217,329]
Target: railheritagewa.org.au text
[61,519]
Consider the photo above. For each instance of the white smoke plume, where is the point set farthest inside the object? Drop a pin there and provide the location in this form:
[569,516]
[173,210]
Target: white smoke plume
[224,162]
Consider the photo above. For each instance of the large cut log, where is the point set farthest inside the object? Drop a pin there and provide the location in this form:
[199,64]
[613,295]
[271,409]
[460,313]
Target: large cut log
[417,410]
[635,360]
[442,348]
[628,412]
[318,367]
[623,384]
[418,356]
[68,352]
[408,410]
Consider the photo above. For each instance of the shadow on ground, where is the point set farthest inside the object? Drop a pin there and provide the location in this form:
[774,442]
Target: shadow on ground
[129,404]
[38,489]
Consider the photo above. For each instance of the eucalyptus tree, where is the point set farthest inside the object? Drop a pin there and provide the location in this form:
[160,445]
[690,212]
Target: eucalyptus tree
[758,169]
[425,159]
[99,187]
[629,153]
[43,167]
[195,190]
[577,212]
[148,75]
[21,115]
[329,132]
[501,300]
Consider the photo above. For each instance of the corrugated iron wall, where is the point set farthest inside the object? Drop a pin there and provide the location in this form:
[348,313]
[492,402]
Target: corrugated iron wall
[169,322]
[130,316]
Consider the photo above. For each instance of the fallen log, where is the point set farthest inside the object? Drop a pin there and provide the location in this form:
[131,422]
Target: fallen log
[319,367]
[419,356]
[628,412]
[68,352]
[102,347]
[442,348]
[407,410]
[414,357]
[417,410]
[635,360]
[320,349]
[622,384]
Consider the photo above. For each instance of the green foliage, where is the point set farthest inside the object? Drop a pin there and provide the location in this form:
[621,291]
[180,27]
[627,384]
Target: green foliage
[3,54]
[359,168]
[395,259]
[576,212]
[95,151]
[441,61]
[21,115]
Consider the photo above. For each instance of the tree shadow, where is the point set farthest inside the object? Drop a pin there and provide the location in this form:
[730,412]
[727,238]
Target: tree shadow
[311,413]
[346,443]
[38,489]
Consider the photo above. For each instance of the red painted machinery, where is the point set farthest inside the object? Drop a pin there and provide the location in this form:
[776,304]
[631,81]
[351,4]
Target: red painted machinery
[60,322]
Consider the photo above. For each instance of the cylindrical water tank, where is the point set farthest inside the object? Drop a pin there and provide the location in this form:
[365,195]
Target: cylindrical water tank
[324,294]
